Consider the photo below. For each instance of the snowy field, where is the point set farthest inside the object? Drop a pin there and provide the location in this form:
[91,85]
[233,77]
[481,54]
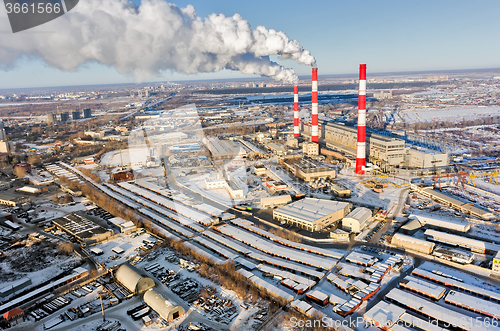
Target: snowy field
[451,114]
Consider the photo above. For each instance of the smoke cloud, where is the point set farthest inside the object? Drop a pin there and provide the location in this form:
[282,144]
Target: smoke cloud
[152,38]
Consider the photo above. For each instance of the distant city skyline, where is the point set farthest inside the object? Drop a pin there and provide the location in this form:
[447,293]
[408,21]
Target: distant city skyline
[389,36]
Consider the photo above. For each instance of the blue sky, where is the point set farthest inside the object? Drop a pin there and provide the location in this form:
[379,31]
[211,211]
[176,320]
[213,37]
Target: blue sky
[389,36]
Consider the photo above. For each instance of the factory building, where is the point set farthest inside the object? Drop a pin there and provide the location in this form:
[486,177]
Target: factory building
[167,310]
[312,214]
[130,278]
[411,243]
[356,220]
[307,169]
[390,150]
[219,182]
[418,157]
[449,201]
[224,149]
[14,287]
[83,229]
[474,245]
[13,200]
[310,149]
[275,201]
[441,222]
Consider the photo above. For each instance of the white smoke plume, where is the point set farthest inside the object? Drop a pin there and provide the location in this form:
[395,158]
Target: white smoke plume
[155,37]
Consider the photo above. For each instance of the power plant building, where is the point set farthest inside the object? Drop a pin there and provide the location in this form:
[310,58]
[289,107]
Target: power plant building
[167,310]
[312,214]
[356,220]
[391,150]
[129,277]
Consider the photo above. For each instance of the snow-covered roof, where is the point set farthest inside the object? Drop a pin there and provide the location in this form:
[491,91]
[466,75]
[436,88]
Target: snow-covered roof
[456,284]
[317,250]
[470,302]
[422,286]
[310,209]
[300,305]
[316,294]
[442,222]
[461,241]
[269,247]
[436,311]
[384,313]
[360,214]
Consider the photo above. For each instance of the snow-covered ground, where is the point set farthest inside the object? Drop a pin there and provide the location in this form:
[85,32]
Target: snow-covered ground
[129,243]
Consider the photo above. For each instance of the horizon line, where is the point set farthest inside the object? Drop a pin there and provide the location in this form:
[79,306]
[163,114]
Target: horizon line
[455,71]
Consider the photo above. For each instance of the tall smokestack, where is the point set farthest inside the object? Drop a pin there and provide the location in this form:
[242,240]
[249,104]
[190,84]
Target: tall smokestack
[314,124]
[296,129]
[361,150]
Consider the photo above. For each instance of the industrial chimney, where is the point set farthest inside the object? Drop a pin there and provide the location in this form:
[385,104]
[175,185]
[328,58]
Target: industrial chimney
[314,123]
[296,129]
[361,148]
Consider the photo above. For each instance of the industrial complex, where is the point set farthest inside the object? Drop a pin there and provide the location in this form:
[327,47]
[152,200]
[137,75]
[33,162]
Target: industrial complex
[253,209]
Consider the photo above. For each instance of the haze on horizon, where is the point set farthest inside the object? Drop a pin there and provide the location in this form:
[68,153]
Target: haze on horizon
[390,36]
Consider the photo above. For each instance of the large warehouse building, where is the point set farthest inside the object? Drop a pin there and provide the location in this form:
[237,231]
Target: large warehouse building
[224,149]
[83,229]
[167,310]
[356,220]
[441,222]
[312,214]
[455,240]
[452,202]
[411,243]
[129,277]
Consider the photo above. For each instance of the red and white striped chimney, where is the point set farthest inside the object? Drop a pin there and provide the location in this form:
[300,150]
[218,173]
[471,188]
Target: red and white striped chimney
[296,129]
[314,122]
[361,148]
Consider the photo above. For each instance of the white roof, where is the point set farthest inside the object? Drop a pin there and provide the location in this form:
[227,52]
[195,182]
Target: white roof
[465,300]
[318,295]
[300,305]
[421,323]
[286,274]
[423,286]
[310,209]
[436,311]
[117,220]
[360,214]
[336,300]
[271,248]
[385,313]
[412,240]
[442,222]
[456,283]
[461,241]
[317,250]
